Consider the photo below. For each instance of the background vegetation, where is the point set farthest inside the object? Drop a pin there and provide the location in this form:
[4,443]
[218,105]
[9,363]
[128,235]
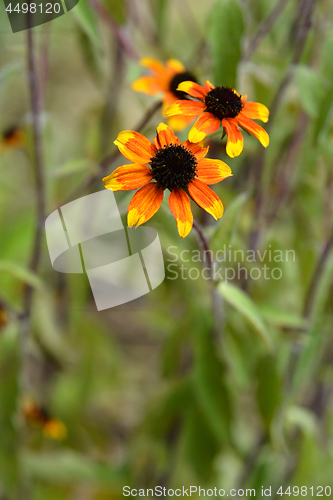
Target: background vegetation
[168,390]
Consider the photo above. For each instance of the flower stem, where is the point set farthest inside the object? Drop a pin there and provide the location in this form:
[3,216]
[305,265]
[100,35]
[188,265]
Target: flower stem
[217,301]
[25,316]
[265,28]
[205,246]
[39,170]
[306,10]
[312,291]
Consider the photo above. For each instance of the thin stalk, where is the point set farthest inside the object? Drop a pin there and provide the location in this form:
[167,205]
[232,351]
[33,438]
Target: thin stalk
[38,170]
[117,31]
[205,247]
[306,10]
[312,291]
[265,28]
[25,316]
[217,301]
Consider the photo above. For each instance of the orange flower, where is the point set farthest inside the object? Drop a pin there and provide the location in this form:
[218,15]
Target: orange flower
[38,417]
[165,79]
[3,316]
[12,138]
[221,104]
[167,164]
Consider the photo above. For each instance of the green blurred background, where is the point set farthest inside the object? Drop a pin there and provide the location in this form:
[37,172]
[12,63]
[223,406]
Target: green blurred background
[171,389]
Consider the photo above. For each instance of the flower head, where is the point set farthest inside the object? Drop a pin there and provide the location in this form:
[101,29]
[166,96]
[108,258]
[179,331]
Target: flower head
[3,316]
[224,105]
[163,164]
[39,418]
[165,79]
[12,138]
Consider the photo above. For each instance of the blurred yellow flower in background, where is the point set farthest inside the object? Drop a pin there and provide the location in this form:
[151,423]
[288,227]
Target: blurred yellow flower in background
[165,79]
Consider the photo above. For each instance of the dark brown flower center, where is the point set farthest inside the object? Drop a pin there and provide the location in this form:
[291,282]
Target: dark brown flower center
[223,102]
[173,166]
[176,80]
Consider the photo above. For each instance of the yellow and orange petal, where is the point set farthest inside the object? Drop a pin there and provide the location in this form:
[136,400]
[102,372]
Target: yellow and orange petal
[199,149]
[177,122]
[12,139]
[175,65]
[212,171]
[154,65]
[180,206]
[255,111]
[161,78]
[188,108]
[144,204]
[165,136]
[206,124]
[128,177]
[235,137]
[55,429]
[208,86]
[148,85]
[135,146]
[192,89]
[206,198]
[254,129]
[168,99]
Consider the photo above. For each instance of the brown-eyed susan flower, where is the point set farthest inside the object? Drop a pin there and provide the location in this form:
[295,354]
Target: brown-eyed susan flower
[224,105]
[163,164]
[12,138]
[165,79]
[3,316]
[39,418]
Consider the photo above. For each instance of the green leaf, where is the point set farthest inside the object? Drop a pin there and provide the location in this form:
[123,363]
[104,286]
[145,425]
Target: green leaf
[225,35]
[9,70]
[117,9]
[282,318]
[323,291]
[326,57]
[174,348]
[73,167]
[86,18]
[324,114]
[21,273]
[308,360]
[208,381]
[9,392]
[227,225]
[268,388]
[160,8]
[242,302]
[68,466]
[198,442]
[311,89]
[171,405]
[301,418]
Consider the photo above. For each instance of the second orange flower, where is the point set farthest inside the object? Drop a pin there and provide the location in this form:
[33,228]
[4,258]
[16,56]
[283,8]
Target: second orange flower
[215,105]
